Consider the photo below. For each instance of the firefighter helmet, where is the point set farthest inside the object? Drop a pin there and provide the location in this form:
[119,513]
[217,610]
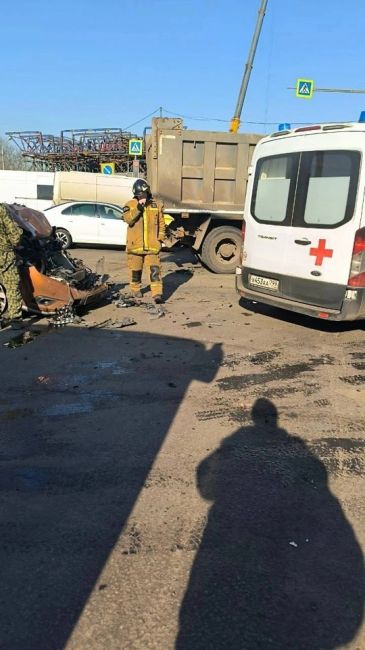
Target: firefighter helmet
[141,188]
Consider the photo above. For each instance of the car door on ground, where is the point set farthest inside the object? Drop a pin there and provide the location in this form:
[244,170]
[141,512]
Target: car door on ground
[81,220]
[112,228]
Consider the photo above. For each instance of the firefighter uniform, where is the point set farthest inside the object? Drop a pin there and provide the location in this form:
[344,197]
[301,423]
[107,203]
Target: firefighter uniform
[146,231]
[10,234]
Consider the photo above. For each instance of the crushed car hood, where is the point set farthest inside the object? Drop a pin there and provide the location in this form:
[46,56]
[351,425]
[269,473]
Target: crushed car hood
[30,220]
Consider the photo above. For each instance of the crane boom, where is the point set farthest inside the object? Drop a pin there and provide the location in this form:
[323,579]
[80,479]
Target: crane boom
[236,119]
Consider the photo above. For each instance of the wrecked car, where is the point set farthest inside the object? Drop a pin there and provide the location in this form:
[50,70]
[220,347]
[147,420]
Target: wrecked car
[51,280]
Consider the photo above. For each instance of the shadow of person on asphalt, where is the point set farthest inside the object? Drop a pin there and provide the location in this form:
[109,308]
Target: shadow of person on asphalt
[175,279]
[180,255]
[82,422]
[279,566]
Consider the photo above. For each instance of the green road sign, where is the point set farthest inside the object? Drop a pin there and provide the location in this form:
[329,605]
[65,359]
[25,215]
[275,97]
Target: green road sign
[305,88]
[135,147]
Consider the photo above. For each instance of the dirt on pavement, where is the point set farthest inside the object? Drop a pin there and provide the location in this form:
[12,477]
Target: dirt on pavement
[191,481]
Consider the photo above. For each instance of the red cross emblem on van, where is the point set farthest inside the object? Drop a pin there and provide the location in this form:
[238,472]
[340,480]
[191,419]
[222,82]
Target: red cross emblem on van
[321,252]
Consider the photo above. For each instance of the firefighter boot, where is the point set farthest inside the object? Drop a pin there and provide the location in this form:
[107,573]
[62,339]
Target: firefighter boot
[154,266]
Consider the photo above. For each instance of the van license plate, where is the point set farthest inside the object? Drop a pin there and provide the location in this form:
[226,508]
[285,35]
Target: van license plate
[265,283]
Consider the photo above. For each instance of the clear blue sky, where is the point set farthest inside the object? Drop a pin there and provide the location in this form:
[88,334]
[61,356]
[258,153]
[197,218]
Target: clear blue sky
[86,63]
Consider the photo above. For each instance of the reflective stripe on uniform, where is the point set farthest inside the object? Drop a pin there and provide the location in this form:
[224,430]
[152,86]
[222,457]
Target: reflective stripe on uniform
[142,251]
[145,229]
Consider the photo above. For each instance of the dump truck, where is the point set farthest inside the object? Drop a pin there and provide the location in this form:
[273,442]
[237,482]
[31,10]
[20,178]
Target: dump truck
[201,178]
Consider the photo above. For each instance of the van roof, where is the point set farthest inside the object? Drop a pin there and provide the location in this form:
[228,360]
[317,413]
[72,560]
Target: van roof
[308,129]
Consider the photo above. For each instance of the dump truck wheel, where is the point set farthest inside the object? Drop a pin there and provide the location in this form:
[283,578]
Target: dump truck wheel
[3,301]
[221,249]
[64,237]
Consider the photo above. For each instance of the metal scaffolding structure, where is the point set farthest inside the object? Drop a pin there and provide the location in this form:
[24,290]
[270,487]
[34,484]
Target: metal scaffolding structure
[76,149]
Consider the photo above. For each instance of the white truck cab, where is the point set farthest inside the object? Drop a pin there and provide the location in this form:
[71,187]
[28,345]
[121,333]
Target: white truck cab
[304,222]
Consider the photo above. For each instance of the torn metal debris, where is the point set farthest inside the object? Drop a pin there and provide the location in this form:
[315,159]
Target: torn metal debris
[154,311]
[125,322]
[127,301]
[113,324]
[63,316]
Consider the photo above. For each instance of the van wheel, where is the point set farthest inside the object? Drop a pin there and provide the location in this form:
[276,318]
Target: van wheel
[64,237]
[3,300]
[221,249]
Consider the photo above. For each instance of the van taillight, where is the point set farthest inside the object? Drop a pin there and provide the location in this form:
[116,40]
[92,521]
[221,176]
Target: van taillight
[359,243]
[357,271]
[243,231]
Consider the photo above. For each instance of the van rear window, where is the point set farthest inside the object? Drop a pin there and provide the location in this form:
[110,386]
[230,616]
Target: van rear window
[327,188]
[274,187]
[313,188]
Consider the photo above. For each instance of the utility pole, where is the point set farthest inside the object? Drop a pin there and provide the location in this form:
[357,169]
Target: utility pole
[236,119]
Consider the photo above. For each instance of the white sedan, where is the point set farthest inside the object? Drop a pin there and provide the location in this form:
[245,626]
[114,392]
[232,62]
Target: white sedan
[84,222]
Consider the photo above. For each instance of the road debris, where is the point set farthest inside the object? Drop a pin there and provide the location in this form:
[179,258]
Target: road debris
[158,313]
[22,339]
[43,379]
[63,316]
[126,301]
[193,324]
[125,322]
[154,311]
[113,324]
[101,325]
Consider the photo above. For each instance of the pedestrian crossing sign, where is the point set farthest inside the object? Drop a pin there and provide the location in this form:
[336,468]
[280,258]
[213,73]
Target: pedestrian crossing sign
[135,147]
[305,88]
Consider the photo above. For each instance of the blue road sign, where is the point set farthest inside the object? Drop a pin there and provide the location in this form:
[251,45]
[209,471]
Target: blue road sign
[135,147]
[305,88]
[107,168]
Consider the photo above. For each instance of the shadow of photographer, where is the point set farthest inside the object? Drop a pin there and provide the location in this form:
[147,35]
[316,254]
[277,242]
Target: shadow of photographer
[279,565]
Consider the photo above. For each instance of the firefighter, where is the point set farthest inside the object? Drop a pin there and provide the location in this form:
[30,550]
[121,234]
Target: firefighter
[10,235]
[146,231]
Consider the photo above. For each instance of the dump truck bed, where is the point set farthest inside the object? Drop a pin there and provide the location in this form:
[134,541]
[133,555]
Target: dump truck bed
[202,171]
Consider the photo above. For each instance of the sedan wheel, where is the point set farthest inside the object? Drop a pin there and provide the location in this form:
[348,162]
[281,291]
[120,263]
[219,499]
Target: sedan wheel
[63,237]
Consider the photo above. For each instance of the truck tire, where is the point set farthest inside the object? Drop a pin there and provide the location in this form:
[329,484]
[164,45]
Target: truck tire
[64,237]
[3,300]
[221,248]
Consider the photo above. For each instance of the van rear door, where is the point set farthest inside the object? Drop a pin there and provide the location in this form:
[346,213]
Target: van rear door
[302,219]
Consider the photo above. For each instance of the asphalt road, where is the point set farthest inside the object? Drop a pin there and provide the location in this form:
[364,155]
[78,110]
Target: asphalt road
[193,482]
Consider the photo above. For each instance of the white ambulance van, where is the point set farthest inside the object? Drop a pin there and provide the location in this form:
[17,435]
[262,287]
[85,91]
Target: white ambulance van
[304,234]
